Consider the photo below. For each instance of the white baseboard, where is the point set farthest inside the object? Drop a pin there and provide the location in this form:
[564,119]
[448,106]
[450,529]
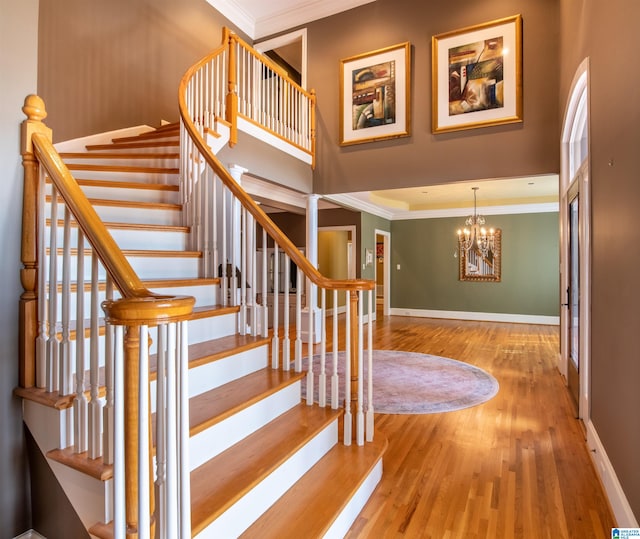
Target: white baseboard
[31,534]
[484,317]
[619,504]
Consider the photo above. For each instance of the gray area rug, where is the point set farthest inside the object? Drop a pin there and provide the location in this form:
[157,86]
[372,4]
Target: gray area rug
[412,383]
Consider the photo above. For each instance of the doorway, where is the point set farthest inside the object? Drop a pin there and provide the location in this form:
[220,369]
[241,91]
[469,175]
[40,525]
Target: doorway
[575,247]
[383,273]
[290,52]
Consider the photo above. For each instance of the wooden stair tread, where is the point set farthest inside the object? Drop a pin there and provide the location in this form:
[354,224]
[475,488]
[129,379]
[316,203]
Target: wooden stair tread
[147,135]
[311,505]
[141,253]
[220,403]
[165,206]
[95,468]
[205,311]
[213,350]
[118,155]
[133,145]
[123,168]
[147,186]
[220,482]
[129,226]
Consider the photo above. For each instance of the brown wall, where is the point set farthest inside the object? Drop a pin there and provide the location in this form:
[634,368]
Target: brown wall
[424,158]
[109,65]
[604,31]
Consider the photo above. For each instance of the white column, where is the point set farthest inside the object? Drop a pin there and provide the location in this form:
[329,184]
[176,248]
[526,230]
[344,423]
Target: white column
[311,308]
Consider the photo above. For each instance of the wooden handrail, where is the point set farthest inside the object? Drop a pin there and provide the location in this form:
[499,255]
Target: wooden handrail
[138,303]
[254,209]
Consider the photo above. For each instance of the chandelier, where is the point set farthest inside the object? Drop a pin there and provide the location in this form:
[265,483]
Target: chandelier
[474,234]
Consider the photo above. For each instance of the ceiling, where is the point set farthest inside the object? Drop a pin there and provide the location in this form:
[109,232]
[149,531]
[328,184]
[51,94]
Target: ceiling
[260,18]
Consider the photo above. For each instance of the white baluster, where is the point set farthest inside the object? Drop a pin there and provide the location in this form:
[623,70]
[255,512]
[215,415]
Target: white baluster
[335,382]
[108,410]
[347,375]
[66,376]
[265,305]
[298,344]
[322,377]
[161,435]
[95,406]
[183,431]
[171,436]
[243,274]
[80,401]
[43,335]
[360,411]
[370,411]
[275,341]
[286,342]
[119,495]
[53,345]
[310,376]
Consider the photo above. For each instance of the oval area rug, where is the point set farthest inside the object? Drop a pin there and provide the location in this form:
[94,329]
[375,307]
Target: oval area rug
[413,383]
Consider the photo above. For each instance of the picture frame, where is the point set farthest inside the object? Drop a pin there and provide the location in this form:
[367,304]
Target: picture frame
[473,266]
[477,76]
[375,95]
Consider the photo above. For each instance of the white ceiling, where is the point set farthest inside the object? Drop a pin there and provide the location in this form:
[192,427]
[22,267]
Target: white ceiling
[261,18]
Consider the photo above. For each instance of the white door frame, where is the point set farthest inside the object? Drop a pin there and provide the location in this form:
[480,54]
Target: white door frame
[574,177]
[287,39]
[386,268]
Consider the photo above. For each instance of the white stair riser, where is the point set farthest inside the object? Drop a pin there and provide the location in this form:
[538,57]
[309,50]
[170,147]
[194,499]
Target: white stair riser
[204,294]
[121,147]
[123,161]
[171,240]
[251,506]
[204,329]
[131,194]
[219,437]
[217,373]
[350,512]
[158,176]
[127,214]
[147,267]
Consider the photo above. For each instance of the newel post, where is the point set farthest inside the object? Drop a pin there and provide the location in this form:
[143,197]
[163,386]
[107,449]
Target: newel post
[232,92]
[312,104]
[35,112]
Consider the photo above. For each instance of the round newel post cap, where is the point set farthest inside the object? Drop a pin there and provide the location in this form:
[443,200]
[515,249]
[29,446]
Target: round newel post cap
[34,108]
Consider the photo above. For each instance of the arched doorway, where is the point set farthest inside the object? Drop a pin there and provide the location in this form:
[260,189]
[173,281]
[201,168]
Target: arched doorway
[575,244]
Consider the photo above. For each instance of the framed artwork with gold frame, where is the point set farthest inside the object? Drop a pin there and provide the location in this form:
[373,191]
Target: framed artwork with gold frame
[477,76]
[375,95]
[474,266]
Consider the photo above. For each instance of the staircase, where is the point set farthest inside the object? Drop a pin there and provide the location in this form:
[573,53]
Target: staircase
[263,462]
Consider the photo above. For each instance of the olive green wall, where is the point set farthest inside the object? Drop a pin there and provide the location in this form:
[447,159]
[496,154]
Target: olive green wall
[428,275]
[606,32]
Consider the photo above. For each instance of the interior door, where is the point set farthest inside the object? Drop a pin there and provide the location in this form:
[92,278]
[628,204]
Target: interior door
[573,298]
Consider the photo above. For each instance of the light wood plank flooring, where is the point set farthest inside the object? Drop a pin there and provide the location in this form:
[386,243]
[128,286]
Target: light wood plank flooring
[514,467]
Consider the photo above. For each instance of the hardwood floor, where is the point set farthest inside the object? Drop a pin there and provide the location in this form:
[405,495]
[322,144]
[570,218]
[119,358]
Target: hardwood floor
[514,467]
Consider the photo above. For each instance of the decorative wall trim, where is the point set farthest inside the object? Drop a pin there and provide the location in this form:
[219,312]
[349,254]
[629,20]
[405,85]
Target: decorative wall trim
[483,317]
[619,504]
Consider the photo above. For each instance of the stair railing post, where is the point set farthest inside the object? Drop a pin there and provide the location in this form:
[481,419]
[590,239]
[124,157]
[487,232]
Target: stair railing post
[354,345]
[35,112]
[232,92]
[312,105]
[131,437]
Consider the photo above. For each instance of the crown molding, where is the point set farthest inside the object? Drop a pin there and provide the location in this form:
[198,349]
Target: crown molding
[357,203]
[302,13]
[237,15]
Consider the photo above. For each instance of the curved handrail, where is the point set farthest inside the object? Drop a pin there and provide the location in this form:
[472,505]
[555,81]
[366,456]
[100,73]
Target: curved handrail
[254,209]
